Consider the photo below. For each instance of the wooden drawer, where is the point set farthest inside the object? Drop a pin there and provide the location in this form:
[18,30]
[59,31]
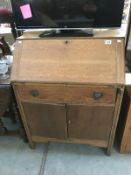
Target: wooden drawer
[67,93]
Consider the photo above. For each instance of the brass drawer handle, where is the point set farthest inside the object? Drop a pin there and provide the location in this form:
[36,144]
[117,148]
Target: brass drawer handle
[34,93]
[66,42]
[97,95]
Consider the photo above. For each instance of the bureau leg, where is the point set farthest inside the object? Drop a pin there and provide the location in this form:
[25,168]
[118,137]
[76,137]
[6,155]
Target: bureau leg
[17,119]
[32,145]
[3,129]
[120,92]
[108,151]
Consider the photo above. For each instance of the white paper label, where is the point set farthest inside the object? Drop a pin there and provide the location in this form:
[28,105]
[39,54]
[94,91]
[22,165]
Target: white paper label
[108,42]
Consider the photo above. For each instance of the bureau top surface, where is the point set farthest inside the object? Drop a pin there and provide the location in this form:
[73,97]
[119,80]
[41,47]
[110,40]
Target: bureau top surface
[69,60]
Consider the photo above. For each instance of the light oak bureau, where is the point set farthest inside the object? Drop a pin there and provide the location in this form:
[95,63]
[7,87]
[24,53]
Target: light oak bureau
[69,89]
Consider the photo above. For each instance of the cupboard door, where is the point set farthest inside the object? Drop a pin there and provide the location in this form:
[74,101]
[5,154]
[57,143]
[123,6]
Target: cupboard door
[89,122]
[46,120]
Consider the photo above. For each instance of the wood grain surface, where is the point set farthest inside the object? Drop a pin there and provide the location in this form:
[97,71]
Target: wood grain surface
[61,93]
[69,60]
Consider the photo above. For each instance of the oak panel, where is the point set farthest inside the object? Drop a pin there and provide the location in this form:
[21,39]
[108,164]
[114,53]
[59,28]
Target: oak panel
[80,60]
[46,120]
[87,122]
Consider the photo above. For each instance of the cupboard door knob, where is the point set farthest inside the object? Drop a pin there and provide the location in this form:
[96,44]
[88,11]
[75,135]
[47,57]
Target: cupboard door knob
[97,95]
[69,122]
[34,93]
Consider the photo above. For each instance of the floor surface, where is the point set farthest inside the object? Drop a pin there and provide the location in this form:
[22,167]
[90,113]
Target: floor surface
[16,158]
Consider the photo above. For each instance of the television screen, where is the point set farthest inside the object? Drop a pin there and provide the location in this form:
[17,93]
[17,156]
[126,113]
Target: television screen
[30,14]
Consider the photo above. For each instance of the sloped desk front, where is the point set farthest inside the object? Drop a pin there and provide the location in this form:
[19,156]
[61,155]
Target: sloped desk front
[69,89]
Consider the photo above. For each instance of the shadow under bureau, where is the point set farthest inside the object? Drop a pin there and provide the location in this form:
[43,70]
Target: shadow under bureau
[69,89]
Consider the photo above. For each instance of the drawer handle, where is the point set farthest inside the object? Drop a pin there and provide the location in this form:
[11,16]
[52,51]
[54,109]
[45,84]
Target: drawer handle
[34,93]
[66,42]
[97,95]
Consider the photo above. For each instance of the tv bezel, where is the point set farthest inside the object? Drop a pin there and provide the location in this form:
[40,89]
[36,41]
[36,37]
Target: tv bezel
[41,27]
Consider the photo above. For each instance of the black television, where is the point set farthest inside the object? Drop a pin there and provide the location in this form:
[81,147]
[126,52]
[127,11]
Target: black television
[67,14]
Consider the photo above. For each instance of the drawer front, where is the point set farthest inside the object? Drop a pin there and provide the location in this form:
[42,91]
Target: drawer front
[67,93]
